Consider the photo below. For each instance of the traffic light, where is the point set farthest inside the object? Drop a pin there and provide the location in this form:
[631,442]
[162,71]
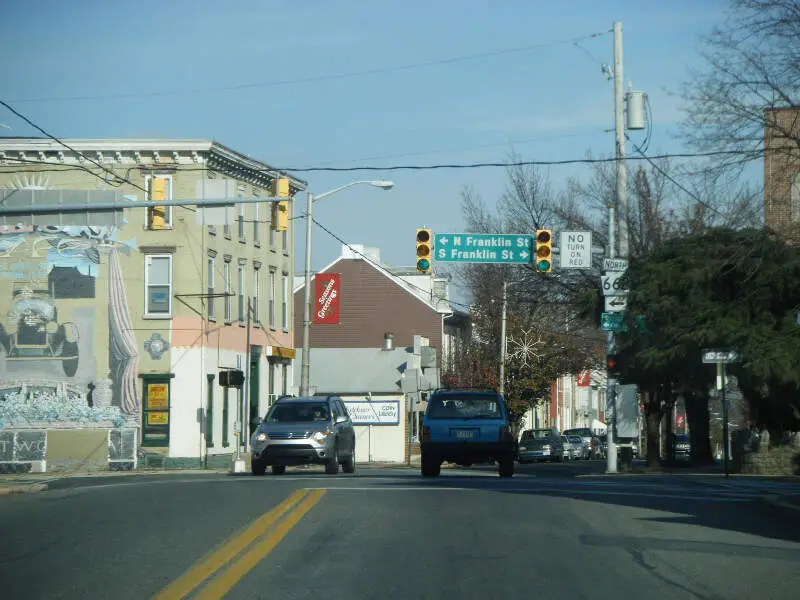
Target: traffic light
[424,250]
[544,250]
[231,378]
[280,210]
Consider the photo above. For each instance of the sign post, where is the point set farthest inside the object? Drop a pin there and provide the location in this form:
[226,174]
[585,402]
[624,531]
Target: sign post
[722,358]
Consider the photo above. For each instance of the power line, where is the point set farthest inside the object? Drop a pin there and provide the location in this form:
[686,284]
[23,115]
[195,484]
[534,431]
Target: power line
[519,163]
[318,78]
[67,146]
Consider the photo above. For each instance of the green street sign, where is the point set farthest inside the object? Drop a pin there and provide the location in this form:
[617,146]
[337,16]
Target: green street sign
[613,322]
[483,248]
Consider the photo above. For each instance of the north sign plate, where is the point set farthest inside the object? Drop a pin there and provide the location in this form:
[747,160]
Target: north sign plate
[615,264]
[482,248]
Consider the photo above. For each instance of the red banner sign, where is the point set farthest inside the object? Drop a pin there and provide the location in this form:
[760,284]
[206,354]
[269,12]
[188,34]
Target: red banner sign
[326,298]
[584,379]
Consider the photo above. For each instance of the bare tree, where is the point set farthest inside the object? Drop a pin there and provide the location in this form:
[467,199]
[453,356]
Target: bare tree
[752,68]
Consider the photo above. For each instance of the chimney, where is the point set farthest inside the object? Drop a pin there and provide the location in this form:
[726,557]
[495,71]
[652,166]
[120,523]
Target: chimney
[388,338]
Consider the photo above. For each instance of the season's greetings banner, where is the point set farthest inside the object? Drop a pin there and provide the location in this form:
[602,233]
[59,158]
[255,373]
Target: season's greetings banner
[326,298]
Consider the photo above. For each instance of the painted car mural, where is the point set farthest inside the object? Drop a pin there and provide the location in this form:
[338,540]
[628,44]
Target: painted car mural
[34,333]
[65,324]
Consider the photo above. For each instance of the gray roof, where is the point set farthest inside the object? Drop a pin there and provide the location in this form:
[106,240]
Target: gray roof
[356,370]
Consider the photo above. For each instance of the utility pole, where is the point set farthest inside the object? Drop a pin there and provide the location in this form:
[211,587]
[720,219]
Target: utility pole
[249,371]
[502,385]
[617,215]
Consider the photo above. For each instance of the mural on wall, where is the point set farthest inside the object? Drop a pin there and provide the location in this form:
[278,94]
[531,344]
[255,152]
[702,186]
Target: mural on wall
[52,316]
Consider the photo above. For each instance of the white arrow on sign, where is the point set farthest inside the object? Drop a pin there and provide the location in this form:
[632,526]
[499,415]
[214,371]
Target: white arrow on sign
[523,254]
[443,241]
[616,304]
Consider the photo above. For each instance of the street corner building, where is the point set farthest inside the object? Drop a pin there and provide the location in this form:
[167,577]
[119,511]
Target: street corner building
[115,325]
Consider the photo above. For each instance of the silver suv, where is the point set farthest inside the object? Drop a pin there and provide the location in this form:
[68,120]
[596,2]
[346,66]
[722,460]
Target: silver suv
[305,430]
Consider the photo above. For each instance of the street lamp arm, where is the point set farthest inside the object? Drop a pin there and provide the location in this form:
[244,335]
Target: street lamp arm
[381,184]
[305,366]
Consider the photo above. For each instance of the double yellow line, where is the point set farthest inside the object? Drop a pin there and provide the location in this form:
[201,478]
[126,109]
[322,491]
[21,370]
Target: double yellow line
[260,545]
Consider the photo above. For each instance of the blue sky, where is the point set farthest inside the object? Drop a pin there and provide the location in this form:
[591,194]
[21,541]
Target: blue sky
[549,100]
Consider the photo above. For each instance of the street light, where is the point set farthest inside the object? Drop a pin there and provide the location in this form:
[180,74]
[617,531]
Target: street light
[305,367]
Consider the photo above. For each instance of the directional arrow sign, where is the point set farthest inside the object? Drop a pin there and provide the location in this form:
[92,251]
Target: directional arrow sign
[482,248]
[616,304]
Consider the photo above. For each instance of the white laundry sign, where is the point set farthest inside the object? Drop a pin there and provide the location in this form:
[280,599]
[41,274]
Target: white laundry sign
[378,412]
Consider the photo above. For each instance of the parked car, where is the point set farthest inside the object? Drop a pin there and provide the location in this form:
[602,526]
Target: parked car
[682,445]
[305,430]
[540,444]
[589,440]
[580,447]
[466,427]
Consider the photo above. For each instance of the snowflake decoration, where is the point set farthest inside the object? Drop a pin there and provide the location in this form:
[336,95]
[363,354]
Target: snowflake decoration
[525,348]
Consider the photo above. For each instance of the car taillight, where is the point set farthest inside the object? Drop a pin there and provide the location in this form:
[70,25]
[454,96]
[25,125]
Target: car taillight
[505,434]
[426,433]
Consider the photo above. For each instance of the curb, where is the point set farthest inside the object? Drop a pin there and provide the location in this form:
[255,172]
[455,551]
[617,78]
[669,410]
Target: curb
[22,489]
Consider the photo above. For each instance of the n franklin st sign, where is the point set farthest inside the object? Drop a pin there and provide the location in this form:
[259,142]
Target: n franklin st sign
[482,248]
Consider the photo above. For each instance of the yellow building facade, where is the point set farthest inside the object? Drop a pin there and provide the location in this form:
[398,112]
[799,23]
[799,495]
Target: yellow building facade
[112,337]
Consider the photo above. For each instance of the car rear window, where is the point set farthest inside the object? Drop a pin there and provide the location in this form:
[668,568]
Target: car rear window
[298,412]
[466,406]
[537,434]
[583,432]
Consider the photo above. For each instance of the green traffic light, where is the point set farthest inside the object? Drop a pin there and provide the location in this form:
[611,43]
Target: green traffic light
[423,264]
[543,265]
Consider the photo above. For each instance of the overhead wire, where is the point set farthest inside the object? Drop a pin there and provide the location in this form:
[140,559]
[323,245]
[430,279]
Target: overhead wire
[19,115]
[317,78]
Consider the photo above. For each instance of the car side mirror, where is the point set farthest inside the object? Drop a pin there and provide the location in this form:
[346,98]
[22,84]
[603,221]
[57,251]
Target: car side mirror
[340,419]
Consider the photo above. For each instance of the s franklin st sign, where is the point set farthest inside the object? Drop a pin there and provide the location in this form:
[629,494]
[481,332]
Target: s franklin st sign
[483,248]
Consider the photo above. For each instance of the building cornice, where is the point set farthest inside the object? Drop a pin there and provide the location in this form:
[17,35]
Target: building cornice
[145,154]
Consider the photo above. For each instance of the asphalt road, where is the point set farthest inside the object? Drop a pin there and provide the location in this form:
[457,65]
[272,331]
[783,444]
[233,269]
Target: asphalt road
[387,533]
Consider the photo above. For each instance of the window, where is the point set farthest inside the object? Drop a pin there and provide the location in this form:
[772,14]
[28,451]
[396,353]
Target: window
[155,411]
[240,219]
[285,240]
[272,233]
[256,294]
[158,284]
[226,418]
[227,275]
[210,277]
[241,295]
[210,412]
[794,198]
[158,217]
[285,377]
[272,299]
[285,302]
[256,224]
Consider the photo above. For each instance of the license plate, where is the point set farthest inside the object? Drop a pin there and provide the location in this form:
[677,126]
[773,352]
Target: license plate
[465,435]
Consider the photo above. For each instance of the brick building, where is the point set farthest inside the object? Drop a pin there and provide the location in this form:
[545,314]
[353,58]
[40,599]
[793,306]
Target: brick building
[782,171]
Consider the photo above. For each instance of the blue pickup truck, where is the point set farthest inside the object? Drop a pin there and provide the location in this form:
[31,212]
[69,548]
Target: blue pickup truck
[466,427]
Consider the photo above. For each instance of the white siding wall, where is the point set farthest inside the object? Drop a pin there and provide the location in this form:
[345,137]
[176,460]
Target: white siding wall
[382,443]
[189,389]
